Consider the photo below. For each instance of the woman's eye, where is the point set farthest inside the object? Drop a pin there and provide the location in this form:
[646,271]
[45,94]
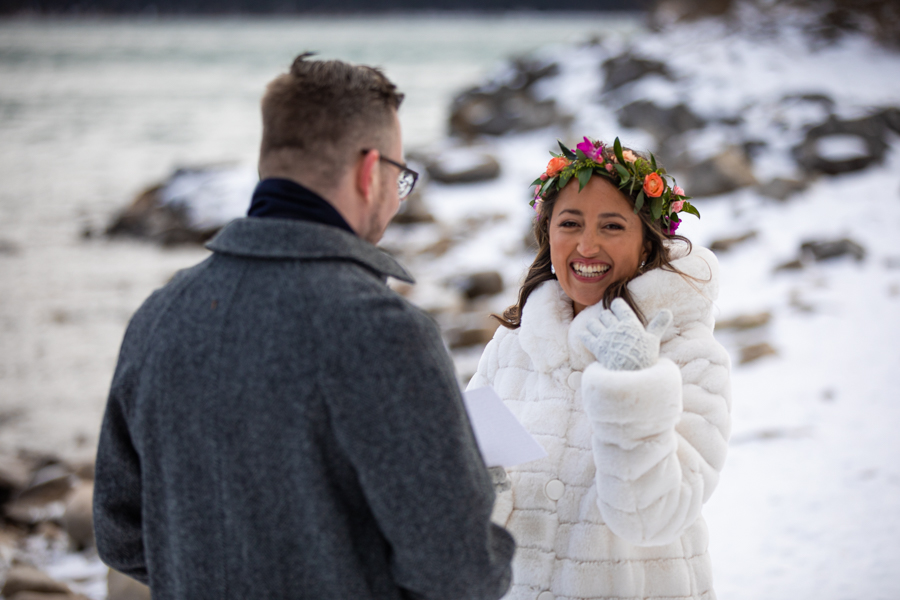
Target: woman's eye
[568,224]
[616,226]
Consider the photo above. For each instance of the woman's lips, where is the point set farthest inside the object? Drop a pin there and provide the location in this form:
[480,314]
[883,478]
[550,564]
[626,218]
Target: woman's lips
[589,273]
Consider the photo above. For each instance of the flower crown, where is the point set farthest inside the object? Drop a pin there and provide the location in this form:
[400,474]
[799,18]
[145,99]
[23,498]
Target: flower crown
[639,178]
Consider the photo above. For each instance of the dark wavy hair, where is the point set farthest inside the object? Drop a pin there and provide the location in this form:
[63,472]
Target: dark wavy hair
[654,238]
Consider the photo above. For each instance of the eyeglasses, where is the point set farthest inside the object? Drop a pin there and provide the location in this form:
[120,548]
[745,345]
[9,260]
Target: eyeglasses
[406,181]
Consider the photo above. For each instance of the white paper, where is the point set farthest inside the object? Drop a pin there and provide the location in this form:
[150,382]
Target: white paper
[501,438]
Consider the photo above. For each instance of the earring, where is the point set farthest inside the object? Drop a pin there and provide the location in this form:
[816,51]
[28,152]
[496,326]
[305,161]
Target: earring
[641,268]
[552,270]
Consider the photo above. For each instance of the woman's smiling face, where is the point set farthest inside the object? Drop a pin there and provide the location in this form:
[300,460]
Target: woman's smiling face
[595,240]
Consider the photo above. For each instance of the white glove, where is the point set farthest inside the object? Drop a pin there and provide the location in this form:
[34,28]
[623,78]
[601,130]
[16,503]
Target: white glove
[619,341]
[500,479]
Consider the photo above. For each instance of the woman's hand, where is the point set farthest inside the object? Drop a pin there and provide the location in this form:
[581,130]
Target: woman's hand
[619,341]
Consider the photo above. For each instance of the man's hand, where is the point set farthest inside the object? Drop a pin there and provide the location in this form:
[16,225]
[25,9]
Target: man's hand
[500,479]
[619,341]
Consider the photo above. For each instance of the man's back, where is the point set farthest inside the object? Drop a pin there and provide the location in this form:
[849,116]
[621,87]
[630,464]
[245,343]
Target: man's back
[286,426]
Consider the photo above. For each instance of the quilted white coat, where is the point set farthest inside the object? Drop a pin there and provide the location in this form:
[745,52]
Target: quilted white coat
[633,455]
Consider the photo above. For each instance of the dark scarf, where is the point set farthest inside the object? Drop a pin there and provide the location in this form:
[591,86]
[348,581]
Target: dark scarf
[285,199]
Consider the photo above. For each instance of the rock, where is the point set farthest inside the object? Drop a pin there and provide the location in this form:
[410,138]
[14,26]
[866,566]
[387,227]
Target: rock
[413,211]
[723,173]
[839,146]
[40,502]
[15,475]
[661,123]
[627,68]
[189,207]
[756,351]
[824,250]
[725,244]
[471,330]
[742,322]
[668,11]
[78,519]
[508,104]
[23,578]
[46,596]
[486,283]
[8,248]
[123,587]
[791,265]
[781,189]
[462,165]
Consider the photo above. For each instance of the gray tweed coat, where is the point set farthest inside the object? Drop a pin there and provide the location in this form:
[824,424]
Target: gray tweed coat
[282,425]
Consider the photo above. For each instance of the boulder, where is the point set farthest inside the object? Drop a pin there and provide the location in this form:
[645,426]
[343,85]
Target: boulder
[742,322]
[123,587]
[508,104]
[463,165]
[40,502]
[15,475]
[827,249]
[661,123]
[470,329]
[24,578]
[78,519]
[485,283]
[728,171]
[725,244]
[756,351]
[626,68]
[413,210]
[843,146]
[781,189]
[148,218]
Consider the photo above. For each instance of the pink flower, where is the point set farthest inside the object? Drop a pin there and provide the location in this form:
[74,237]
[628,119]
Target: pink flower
[610,167]
[677,205]
[592,150]
[544,177]
[537,191]
[629,156]
[678,191]
[673,225]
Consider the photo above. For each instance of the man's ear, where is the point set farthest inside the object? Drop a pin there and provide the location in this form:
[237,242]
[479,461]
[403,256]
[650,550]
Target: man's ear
[367,175]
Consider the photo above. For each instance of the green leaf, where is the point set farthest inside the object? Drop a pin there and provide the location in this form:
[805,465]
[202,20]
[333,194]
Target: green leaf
[689,208]
[639,201]
[617,148]
[580,155]
[656,208]
[564,177]
[583,174]
[537,181]
[653,161]
[566,152]
[624,175]
[547,185]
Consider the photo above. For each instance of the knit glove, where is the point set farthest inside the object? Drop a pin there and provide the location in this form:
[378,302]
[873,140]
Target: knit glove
[619,341]
[500,479]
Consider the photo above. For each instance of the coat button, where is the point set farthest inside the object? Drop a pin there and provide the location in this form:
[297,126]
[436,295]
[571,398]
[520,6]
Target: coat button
[554,489]
[546,596]
[574,380]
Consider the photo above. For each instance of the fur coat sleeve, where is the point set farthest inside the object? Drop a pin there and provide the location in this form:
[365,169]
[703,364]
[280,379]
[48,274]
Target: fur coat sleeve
[660,434]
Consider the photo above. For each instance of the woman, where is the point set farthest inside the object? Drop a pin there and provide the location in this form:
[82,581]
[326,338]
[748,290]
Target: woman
[634,418]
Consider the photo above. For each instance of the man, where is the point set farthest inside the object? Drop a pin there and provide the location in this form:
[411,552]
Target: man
[280,423]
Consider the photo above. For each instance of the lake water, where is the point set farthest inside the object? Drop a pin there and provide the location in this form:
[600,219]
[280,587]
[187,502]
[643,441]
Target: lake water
[91,111]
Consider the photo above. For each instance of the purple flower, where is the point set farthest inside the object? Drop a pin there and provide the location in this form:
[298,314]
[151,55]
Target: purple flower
[592,150]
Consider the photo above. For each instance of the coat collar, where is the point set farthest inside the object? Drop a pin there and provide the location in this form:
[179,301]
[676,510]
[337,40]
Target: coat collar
[291,239]
[551,335]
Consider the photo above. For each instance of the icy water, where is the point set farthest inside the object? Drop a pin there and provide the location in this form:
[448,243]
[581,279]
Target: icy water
[92,111]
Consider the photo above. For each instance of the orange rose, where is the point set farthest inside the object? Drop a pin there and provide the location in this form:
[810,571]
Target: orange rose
[556,165]
[654,185]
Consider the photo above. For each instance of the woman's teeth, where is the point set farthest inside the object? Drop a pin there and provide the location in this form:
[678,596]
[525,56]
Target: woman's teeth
[589,270]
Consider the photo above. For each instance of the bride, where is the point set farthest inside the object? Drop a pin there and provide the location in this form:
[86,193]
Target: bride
[608,359]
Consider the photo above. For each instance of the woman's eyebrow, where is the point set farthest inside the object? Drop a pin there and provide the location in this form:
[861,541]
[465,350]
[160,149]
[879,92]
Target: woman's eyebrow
[574,211]
[611,214]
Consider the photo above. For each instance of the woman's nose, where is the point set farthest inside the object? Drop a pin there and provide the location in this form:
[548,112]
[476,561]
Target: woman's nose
[588,243]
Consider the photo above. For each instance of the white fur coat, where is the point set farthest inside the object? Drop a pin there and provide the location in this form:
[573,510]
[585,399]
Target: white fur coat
[633,455]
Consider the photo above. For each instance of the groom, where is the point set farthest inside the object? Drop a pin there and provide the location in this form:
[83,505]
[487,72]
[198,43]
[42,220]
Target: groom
[280,423]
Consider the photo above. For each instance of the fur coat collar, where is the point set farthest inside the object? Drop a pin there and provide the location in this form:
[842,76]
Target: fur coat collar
[551,334]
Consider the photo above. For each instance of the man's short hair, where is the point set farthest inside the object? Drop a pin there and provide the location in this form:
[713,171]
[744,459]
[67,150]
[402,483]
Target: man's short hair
[322,113]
